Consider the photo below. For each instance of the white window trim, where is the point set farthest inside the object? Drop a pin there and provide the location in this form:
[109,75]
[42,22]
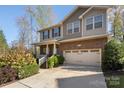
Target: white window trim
[88,24]
[57,36]
[48,36]
[79,26]
[102,20]
[94,21]
[73,27]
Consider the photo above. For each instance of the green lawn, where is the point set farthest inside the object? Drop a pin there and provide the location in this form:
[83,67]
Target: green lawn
[114,80]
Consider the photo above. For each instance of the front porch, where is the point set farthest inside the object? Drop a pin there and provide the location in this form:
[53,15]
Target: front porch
[46,48]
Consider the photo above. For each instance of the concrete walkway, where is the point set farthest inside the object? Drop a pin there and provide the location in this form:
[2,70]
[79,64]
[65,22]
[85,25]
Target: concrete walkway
[67,76]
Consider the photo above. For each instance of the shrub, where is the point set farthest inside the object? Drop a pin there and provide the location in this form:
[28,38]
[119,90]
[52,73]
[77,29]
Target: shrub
[60,59]
[7,74]
[55,60]
[52,61]
[112,56]
[28,70]
[23,62]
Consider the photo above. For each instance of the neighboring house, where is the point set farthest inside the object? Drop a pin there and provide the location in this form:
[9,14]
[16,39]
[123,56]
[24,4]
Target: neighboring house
[80,37]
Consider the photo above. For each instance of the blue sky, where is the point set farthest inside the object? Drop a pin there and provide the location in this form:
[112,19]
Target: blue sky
[10,13]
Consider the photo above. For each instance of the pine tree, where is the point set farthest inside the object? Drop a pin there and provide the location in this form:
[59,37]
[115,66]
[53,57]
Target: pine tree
[3,43]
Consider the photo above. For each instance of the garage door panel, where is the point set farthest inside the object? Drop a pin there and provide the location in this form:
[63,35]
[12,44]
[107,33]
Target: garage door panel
[83,57]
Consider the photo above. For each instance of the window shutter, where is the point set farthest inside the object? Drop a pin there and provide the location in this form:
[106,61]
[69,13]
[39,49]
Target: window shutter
[43,35]
[59,31]
[52,32]
[48,33]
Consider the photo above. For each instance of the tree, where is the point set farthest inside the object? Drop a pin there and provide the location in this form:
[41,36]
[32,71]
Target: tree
[113,56]
[116,17]
[42,15]
[24,30]
[3,43]
[36,17]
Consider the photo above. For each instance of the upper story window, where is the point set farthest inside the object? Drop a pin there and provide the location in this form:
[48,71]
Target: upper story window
[70,28]
[46,34]
[89,23]
[76,26]
[73,27]
[94,22]
[56,32]
[98,21]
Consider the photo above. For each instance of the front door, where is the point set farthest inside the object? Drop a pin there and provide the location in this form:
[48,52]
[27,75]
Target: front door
[50,50]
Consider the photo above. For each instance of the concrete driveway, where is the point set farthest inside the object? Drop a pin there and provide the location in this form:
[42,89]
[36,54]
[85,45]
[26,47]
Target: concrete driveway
[67,76]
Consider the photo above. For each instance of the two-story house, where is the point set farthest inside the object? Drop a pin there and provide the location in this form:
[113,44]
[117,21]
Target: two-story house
[79,37]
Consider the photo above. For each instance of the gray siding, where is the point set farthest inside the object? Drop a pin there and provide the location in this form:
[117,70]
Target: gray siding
[72,18]
[97,31]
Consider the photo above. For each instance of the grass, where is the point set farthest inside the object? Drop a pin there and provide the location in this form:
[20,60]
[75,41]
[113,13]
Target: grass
[114,79]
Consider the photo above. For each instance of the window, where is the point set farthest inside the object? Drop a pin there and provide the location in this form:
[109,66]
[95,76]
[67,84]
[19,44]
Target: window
[84,51]
[94,22]
[70,28]
[67,51]
[46,34]
[98,21]
[56,32]
[76,26]
[89,23]
[75,51]
[73,27]
[94,51]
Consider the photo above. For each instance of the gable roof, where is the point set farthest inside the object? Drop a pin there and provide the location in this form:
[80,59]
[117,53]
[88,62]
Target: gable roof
[75,9]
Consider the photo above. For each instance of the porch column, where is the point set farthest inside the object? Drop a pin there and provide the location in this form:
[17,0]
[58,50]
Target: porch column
[54,49]
[47,49]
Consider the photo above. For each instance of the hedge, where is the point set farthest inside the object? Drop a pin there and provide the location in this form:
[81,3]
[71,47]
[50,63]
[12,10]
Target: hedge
[27,70]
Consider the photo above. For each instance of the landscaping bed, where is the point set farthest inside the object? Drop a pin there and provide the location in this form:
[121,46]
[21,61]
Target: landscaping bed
[113,64]
[15,65]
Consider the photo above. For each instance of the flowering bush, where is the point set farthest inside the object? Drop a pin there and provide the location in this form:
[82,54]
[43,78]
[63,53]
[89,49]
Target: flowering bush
[22,61]
[16,58]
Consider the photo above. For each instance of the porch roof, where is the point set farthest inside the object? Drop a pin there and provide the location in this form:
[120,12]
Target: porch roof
[46,42]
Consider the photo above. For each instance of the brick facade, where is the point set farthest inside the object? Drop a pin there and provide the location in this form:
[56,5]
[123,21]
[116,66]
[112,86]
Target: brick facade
[83,44]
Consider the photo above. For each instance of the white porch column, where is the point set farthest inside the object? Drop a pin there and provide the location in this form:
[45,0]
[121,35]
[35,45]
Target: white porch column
[47,49]
[54,49]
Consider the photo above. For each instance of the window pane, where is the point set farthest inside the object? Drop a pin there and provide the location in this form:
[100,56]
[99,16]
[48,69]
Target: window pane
[76,26]
[75,51]
[98,25]
[69,28]
[89,27]
[89,20]
[56,32]
[46,35]
[76,29]
[89,23]
[98,21]
[98,18]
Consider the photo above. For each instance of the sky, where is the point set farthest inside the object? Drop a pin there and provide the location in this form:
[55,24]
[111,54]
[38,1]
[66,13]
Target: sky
[9,14]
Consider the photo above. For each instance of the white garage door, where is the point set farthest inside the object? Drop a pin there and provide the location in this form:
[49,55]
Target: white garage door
[83,57]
